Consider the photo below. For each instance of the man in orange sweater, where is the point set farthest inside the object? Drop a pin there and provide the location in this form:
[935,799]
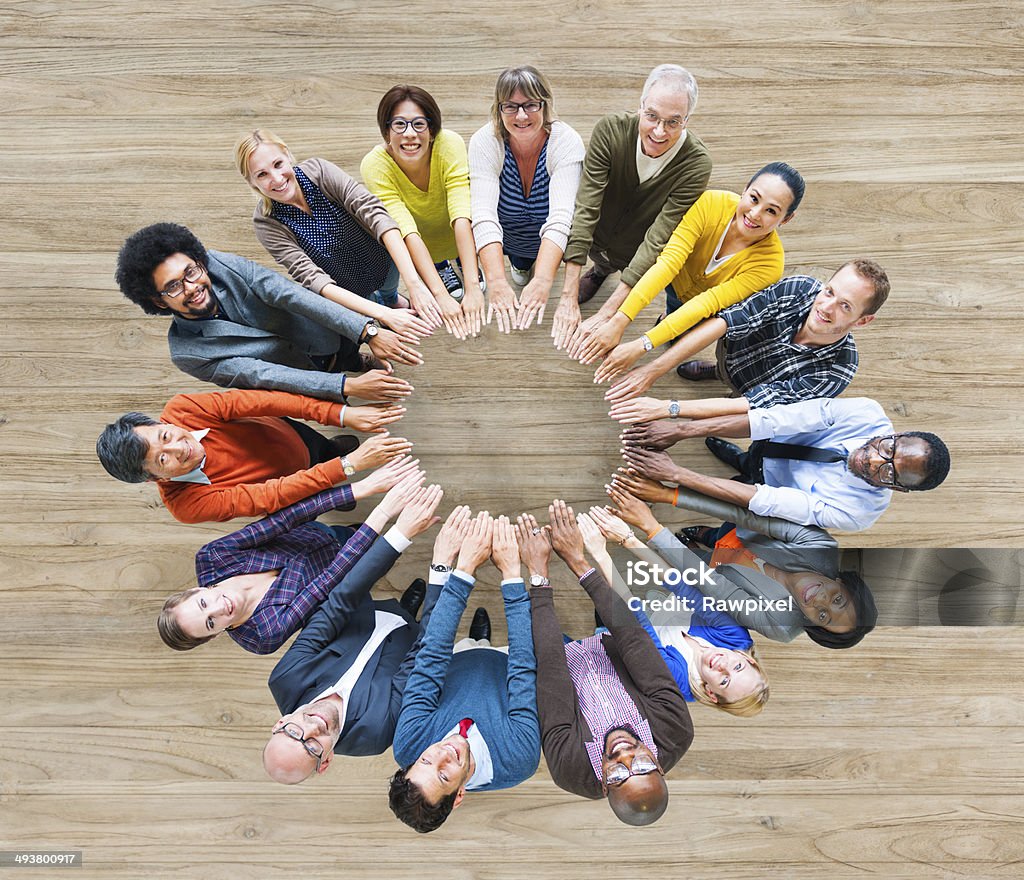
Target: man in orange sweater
[217,456]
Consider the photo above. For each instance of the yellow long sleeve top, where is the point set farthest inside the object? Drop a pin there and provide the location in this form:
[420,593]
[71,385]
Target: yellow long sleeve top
[685,260]
[430,213]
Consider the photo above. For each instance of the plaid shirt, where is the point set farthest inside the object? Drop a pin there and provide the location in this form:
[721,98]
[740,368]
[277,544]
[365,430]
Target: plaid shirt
[308,556]
[762,361]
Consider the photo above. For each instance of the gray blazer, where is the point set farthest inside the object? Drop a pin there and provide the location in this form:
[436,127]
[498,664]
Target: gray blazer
[265,333]
[784,544]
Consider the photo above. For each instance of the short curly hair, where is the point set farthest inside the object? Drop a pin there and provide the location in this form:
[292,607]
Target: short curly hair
[867,615]
[936,465]
[408,803]
[122,450]
[146,249]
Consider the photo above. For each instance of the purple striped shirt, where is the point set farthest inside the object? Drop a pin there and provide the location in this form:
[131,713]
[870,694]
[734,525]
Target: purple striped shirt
[309,557]
[605,703]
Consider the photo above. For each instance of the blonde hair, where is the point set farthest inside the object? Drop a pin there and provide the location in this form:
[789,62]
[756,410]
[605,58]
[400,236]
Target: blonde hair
[532,83]
[744,707]
[246,146]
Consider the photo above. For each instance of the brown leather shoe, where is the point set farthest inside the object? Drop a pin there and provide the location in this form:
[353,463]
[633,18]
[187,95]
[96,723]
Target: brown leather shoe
[590,282]
[697,371]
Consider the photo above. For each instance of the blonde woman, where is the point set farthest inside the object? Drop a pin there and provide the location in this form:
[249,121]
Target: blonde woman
[332,235]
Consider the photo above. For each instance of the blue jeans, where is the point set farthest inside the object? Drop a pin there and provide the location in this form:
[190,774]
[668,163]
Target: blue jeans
[387,295]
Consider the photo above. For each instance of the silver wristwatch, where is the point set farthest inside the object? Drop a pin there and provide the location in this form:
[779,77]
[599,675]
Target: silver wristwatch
[538,580]
[648,345]
[673,409]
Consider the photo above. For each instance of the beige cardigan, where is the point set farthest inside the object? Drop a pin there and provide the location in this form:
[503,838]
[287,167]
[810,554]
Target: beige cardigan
[341,189]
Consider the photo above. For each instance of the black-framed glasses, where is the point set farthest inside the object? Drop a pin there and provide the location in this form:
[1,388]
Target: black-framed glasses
[886,473]
[619,773]
[312,746]
[398,125]
[177,287]
[511,108]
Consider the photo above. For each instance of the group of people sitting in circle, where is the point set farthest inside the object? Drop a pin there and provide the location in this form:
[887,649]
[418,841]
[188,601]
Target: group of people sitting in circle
[609,711]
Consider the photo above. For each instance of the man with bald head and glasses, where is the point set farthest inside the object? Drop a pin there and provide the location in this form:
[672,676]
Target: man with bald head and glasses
[612,719]
[832,463]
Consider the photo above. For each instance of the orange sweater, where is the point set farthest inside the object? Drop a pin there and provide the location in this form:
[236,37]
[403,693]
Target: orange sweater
[256,463]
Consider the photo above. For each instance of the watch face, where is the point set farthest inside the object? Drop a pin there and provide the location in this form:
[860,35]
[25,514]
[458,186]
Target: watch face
[371,329]
[673,408]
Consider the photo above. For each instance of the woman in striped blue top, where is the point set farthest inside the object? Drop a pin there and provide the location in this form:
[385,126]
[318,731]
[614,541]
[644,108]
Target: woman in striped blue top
[524,168]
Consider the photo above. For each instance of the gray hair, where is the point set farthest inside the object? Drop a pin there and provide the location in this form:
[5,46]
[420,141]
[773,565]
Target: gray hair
[676,78]
[121,450]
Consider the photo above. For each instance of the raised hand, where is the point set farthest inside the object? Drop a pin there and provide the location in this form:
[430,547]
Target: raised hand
[620,359]
[505,549]
[640,409]
[653,435]
[377,385]
[377,450]
[593,539]
[451,535]
[371,418]
[473,310]
[534,544]
[650,463]
[532,302]
[385,477]
[418,514]
[399,495]
[632,509]
[566,538]
[634,383]
[476,547]
[612,527]
[566,320]
[406,324]
[388,346]
[643,487]
[423,304]
[501,304]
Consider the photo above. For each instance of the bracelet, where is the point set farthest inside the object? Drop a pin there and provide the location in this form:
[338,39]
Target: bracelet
[652,534]
[344,407]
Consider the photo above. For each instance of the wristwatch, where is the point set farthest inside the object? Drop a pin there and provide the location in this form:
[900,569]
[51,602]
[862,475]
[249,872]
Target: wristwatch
[441,569]
[673,409]
[371,329]
[648,345]
[347,466]
[538,580]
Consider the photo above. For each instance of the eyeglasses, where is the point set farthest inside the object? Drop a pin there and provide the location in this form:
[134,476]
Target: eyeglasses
[886,473]
[312,746]
[398,125]
[619,773]
[673,124]
[177,287]
[511,108]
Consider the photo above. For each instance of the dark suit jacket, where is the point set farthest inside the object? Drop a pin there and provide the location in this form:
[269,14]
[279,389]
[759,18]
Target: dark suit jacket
[266,331]
[331,641]
[640,668]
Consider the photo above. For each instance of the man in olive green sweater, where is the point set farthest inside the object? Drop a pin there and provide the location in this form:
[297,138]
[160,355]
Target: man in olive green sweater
[642,172]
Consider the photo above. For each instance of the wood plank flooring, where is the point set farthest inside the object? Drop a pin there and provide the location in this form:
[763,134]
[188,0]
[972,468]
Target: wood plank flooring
[900,758]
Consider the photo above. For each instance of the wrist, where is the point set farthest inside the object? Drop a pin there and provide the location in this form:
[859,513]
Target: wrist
[512,574]
[538,570]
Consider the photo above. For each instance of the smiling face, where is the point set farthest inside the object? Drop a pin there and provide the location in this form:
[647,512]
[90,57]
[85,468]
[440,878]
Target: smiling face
[662,120]
[839,307]
[883,460]
[410,148]
[443,769]
[825,602]
[208,612]
[173,451]
[762,207]
[523,126]
[272,173]
[289,761]
[728,675]
[196,300]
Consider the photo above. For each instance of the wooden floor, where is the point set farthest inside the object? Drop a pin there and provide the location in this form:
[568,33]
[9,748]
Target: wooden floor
[901,758]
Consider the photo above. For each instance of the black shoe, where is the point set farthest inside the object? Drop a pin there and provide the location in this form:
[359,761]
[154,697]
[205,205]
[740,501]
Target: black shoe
[726,452]
[598,623]
[697,371]
[698,535]
[412,598]
[345,443]
[480,628]
[590,283]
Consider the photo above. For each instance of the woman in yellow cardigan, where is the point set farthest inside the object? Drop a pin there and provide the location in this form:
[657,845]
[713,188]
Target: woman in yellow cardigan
[725,248]
[421,174]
